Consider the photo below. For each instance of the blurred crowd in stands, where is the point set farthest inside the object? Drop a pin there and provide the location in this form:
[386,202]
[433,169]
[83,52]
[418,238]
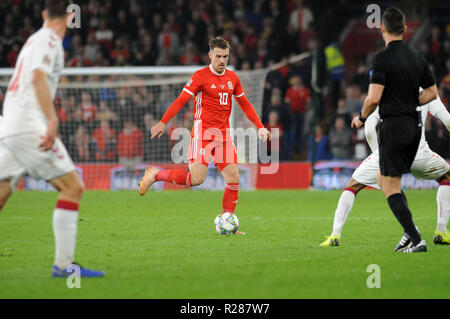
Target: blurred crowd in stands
[114,125]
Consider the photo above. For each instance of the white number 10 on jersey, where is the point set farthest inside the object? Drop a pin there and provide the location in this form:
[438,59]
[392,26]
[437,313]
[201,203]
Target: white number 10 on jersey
[223,97]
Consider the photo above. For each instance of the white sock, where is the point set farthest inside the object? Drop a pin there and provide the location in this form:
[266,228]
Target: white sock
[344,206]
[65,231]
[443,207]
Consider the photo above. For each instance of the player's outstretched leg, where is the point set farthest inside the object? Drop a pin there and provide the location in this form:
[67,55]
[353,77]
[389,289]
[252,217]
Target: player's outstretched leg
[195,176]
[344,207]
[442,235]
[152,174]
[65,219]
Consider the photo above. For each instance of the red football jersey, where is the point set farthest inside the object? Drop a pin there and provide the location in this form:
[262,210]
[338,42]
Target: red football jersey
[88,112]
[297,99]
[130,144]
[212,93]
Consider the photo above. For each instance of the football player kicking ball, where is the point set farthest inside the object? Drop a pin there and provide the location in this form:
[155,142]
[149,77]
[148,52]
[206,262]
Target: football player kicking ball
[28,133]
[212,89]
[426,165]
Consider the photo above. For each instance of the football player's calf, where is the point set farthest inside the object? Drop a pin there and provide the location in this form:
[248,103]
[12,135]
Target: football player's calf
[344,207]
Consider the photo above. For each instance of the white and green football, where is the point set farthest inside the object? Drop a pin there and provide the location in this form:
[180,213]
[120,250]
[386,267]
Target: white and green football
[226,223]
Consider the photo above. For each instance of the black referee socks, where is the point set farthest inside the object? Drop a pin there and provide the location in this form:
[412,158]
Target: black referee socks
[404,199]
[399,207]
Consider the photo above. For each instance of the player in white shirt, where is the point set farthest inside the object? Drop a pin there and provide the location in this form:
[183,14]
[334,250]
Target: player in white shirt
[427,165]
[28,132]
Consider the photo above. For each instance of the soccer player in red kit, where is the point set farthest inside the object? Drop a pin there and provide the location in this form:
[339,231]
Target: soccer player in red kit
[212,88]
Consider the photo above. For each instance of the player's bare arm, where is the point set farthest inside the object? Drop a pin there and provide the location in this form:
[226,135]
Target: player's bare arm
[428,95]
[43,97]
[370,104]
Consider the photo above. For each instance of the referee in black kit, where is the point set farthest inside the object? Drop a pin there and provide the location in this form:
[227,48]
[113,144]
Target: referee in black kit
[395,77]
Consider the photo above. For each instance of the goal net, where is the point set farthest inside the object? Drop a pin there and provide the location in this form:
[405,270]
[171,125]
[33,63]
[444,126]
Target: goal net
[105,119]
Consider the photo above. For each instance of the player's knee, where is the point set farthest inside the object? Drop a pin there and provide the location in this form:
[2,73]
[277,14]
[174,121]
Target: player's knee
[354,185]
[233,178]
[74,190]
[231,174]
[197,179]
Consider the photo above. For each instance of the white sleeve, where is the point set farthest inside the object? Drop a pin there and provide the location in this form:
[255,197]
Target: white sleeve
[438,110]
[370,128]
[44,55]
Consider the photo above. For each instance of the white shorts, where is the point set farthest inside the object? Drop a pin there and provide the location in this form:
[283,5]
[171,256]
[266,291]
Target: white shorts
[427,165]
[366,173]
[39,164]
[10,168]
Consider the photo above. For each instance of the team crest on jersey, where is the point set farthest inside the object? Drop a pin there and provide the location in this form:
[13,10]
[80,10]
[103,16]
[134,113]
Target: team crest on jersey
[189,82]
[230,85]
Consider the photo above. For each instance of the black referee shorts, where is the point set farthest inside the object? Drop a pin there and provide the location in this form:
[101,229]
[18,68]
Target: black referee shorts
[399,140]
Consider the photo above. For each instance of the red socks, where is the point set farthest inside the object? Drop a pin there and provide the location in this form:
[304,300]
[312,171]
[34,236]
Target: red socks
[175,176]
[63,204]
[230,197]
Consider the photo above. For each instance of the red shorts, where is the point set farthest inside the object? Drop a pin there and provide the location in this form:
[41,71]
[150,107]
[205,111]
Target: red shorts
[222,153]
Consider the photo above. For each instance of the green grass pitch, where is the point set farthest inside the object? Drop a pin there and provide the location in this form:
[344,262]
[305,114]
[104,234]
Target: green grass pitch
[164,246]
